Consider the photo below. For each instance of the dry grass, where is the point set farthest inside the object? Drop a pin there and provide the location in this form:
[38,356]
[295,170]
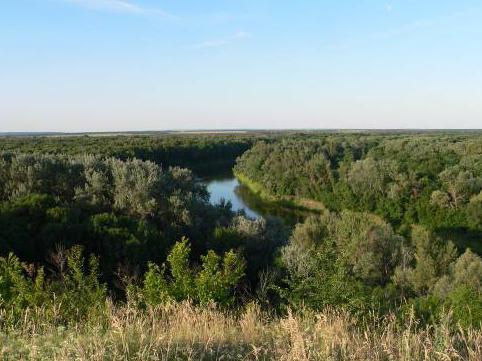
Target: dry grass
[186,332]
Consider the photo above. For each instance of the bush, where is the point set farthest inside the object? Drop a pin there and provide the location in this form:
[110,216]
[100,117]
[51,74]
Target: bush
[466,305]
[214,281]
[16,290]
[79,291]
[71,295]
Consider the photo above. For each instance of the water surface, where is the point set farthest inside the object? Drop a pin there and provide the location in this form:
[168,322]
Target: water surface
[227,187]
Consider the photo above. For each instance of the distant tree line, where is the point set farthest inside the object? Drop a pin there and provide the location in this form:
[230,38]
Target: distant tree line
[202,153]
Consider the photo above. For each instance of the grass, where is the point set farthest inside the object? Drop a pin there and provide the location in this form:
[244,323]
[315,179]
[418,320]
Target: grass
[187,332]
[285,202]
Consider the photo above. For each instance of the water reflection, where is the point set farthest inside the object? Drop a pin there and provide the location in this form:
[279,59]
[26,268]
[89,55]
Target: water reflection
[227,187]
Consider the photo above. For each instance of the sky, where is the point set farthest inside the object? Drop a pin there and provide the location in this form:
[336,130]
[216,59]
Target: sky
[118,65]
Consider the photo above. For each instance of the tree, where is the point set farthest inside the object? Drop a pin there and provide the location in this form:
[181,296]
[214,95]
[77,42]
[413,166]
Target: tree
[474,211]
[137,187]
[466,271]
[367,244]
[340,259]
[432,257]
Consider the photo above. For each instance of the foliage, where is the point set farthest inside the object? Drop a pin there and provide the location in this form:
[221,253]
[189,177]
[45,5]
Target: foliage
[73,293]
[200,152]
[123,211]
[429,179]
[380,244]
[214,281]
[340,259]
[257,240]
[355,260]
[432,257]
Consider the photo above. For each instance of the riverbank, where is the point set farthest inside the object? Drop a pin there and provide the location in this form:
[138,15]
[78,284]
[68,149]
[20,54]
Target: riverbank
[301,204]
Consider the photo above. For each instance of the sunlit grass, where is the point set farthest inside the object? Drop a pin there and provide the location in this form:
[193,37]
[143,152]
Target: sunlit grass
[187,332]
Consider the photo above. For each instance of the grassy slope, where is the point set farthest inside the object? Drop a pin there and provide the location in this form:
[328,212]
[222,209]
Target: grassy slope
[287,202]
[185,332]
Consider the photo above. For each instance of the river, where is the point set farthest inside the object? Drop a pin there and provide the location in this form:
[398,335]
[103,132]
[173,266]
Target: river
[227,187]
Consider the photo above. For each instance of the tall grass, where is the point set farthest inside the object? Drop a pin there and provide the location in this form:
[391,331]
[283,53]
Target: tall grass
[187,332]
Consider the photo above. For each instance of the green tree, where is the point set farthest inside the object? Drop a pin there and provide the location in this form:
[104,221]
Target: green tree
[432,258]
[474,212]
[341,260]
[466,271]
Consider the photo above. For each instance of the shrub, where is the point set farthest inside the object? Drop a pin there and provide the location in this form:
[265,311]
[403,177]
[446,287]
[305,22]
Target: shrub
[466,305]
[214,281]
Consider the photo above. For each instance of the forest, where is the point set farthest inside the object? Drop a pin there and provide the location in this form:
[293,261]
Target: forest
[189,151]
[110,248]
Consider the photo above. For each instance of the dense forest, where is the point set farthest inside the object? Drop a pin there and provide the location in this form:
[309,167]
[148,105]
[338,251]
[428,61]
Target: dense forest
[199,152]
[427,179]
[97,232]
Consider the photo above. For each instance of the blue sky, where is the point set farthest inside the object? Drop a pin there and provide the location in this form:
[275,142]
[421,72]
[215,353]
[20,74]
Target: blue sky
[98,65]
